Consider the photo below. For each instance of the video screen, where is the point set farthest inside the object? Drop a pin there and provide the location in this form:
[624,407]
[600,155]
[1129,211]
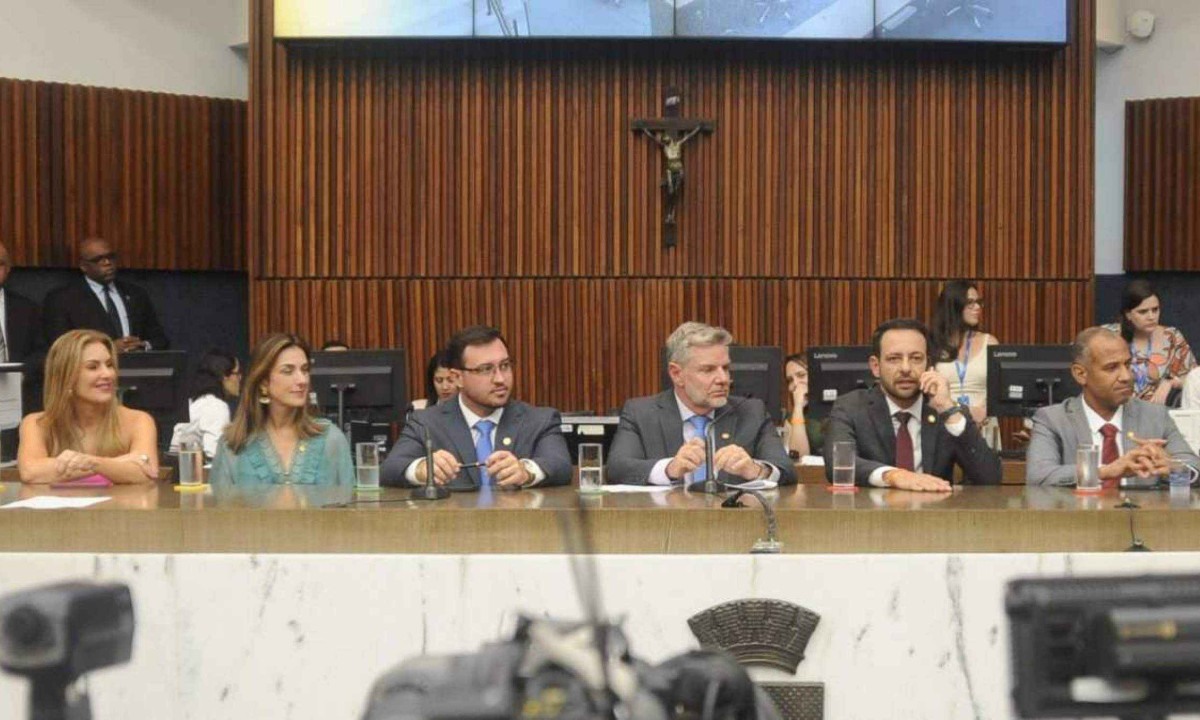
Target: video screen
[784,19]
[574,18]
[1008,21]
[372,18]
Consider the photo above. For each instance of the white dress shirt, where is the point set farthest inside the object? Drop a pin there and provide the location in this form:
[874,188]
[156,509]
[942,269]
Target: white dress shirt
[915,423]
[410,473]
[208,415]
[118,301]
[1095,422]
[658,473]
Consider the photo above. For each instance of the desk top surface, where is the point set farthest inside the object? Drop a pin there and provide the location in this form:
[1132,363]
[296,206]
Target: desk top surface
[812,519]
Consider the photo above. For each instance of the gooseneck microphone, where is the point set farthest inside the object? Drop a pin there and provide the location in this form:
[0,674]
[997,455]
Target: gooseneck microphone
[711,484]
[430,490]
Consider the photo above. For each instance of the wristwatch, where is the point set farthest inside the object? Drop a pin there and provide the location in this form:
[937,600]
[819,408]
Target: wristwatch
[955,408]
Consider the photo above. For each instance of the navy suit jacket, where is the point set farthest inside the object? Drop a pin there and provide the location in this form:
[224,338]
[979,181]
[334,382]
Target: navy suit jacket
[651,430]
[529,432]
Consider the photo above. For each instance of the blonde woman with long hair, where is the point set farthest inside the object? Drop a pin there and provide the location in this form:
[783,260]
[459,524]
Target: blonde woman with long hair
[275,438]
[84,429]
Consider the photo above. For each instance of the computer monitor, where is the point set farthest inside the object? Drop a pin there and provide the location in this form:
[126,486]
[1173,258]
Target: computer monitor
[370,381]
[1023,378]
[153,381]
[757,372]
[834,371]
[580,429]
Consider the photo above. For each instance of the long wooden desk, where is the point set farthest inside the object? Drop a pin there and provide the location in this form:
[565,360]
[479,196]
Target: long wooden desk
[812,519]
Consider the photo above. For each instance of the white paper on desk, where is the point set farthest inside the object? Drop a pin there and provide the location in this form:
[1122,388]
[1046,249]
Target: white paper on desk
[10,397]
[635,488]
[812,461]
[52,502]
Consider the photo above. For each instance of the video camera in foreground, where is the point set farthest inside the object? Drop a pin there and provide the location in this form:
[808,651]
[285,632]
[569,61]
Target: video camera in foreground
[552,669]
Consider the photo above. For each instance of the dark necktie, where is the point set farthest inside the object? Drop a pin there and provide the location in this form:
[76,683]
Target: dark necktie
[1108,451]
[111,308]
[904,443]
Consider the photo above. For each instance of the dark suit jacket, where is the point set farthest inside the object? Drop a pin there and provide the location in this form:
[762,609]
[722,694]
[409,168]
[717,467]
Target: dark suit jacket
[651,430]
[23,329]
[862,417]
[75,306]
[535,434]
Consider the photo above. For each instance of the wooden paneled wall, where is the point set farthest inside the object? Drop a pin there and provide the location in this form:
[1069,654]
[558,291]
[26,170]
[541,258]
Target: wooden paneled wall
[161,176]
[1162,184]
[399,191]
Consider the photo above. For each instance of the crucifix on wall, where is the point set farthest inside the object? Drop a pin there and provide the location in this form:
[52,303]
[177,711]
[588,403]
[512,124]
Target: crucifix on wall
[671,132]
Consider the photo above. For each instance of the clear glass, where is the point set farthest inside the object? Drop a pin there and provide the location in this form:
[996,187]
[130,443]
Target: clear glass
[1181,475]
[844,454]
[1087,469]
[366,463]
[191,462]
[591,468]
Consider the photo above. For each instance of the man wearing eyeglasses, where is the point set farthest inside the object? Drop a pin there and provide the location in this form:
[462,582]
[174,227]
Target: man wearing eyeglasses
[485,439]
[98,301]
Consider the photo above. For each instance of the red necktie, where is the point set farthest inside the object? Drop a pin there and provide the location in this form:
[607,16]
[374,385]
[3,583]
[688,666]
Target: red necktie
[1108,451]
[904,444]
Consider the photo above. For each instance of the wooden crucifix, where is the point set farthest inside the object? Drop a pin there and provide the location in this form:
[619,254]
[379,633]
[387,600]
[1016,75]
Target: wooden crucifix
[671,132]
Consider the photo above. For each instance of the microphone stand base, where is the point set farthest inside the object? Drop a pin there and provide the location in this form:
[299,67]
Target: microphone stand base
[766,547]
[430,492]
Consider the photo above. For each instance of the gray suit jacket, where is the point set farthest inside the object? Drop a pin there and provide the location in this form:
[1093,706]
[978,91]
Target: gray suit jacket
[533,433]
[862,417]
[651,430]
[1059,430]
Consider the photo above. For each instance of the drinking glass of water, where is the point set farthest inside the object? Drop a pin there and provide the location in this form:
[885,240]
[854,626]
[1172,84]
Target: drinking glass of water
[844,453]
[191,462]
[1087,468]
[591,468]
[366,456]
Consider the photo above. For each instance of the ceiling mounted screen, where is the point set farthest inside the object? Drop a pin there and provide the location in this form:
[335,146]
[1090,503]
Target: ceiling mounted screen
[574,18]
[780,19]
[295,19]
[999,21]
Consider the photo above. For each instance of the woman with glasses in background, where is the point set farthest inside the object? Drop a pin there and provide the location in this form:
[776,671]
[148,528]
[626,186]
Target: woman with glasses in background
[959,347]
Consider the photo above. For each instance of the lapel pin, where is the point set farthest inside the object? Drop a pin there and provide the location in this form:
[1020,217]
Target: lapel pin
[724,436]
[931,419]
[506,441]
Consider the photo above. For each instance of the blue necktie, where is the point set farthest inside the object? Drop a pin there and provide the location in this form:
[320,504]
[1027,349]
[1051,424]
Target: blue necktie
[700,423]
[483,449]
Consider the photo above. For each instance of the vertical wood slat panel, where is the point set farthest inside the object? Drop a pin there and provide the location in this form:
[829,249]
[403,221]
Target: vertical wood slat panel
[567,329]
[161,176]
[1162,184]
[503,185]
[913,162]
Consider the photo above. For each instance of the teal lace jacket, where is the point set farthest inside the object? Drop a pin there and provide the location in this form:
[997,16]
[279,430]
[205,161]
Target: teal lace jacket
[319,460]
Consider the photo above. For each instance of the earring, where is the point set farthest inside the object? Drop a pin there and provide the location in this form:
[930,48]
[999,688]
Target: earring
[264,398]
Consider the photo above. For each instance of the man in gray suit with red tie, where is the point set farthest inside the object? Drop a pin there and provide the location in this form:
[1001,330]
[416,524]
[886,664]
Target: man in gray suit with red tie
[484,439]
[908,432]
[660,439]
[1136,438]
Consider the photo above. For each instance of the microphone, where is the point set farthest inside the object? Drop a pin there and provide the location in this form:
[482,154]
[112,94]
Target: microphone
[430,490]
[711,485]
[770,545]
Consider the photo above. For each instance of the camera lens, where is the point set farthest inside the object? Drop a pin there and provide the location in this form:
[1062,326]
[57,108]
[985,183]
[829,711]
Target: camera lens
[25,627]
